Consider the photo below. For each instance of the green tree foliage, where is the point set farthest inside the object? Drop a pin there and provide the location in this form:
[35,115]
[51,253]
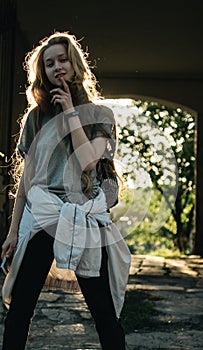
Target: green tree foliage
[157,146]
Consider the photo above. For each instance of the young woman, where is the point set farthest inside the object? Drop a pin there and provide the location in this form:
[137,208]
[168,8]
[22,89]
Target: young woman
[60,209]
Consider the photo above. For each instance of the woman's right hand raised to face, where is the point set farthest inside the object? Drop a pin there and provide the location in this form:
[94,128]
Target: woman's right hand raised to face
[62,96]
[9,245]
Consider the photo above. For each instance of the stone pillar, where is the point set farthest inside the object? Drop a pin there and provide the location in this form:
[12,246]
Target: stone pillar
[198,245]
[7,61]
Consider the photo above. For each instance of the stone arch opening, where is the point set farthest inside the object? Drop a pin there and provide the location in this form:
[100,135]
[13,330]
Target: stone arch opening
[173,105]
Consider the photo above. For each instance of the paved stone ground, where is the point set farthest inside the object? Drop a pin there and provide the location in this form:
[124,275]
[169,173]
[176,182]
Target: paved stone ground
[62,320]
[177,287]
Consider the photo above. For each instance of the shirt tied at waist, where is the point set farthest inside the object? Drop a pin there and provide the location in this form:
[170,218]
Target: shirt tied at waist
[81,230]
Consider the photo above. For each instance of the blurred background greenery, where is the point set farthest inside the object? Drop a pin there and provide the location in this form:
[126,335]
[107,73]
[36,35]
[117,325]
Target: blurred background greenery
[156,161]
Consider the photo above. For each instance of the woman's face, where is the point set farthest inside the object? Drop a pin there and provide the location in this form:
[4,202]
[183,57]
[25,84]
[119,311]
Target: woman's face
[57,65]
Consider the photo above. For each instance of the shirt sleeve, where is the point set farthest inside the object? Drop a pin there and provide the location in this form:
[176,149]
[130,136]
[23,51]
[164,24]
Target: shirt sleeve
[26,135]
[105,126]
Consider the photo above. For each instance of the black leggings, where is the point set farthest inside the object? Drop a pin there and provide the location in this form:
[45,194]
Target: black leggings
[29,283]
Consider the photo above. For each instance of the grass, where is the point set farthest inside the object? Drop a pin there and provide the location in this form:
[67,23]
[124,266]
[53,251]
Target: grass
[166,253]
[138,311]
[160,251]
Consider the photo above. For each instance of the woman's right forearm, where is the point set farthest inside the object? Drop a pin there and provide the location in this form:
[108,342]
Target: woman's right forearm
[18,207]
[10,243]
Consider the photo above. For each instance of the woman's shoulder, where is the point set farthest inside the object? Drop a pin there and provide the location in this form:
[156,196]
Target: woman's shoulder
[31,113]
[104,113]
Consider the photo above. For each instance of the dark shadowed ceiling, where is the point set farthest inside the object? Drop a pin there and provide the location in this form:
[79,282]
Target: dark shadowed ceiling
[131,38]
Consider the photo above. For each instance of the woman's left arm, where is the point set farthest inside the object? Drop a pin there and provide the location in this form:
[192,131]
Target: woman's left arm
[87,152]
